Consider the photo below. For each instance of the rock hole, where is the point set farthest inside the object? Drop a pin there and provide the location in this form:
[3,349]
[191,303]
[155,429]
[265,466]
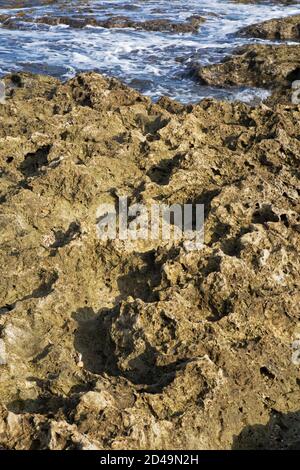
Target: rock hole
[267,373]
[264,214]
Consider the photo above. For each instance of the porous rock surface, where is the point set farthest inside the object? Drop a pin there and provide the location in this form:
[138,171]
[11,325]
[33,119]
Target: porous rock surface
[118,345]
[257,65]
[277,28]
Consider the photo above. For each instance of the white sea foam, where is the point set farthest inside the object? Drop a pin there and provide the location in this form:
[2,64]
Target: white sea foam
[154,62]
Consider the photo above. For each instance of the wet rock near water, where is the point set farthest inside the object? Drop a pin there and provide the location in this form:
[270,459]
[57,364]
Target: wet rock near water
[258,65]
[277,28]
[273,67]
[191,25]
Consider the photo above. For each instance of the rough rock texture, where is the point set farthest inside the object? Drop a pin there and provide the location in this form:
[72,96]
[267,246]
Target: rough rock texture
[80,21]
[258,65]
[117,345]
[273,67]
[277,28]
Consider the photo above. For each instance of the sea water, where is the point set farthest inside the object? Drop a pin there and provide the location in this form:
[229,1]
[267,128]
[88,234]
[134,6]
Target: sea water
[155,63]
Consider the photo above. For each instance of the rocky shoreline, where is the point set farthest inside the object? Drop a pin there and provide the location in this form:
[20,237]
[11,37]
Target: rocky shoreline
[146,345]
[192,24]
[279,28]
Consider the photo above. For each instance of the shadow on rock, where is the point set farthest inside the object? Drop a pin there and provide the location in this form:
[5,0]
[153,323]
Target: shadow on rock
[162,172]
[281,432]
[47,404]
[94,342]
